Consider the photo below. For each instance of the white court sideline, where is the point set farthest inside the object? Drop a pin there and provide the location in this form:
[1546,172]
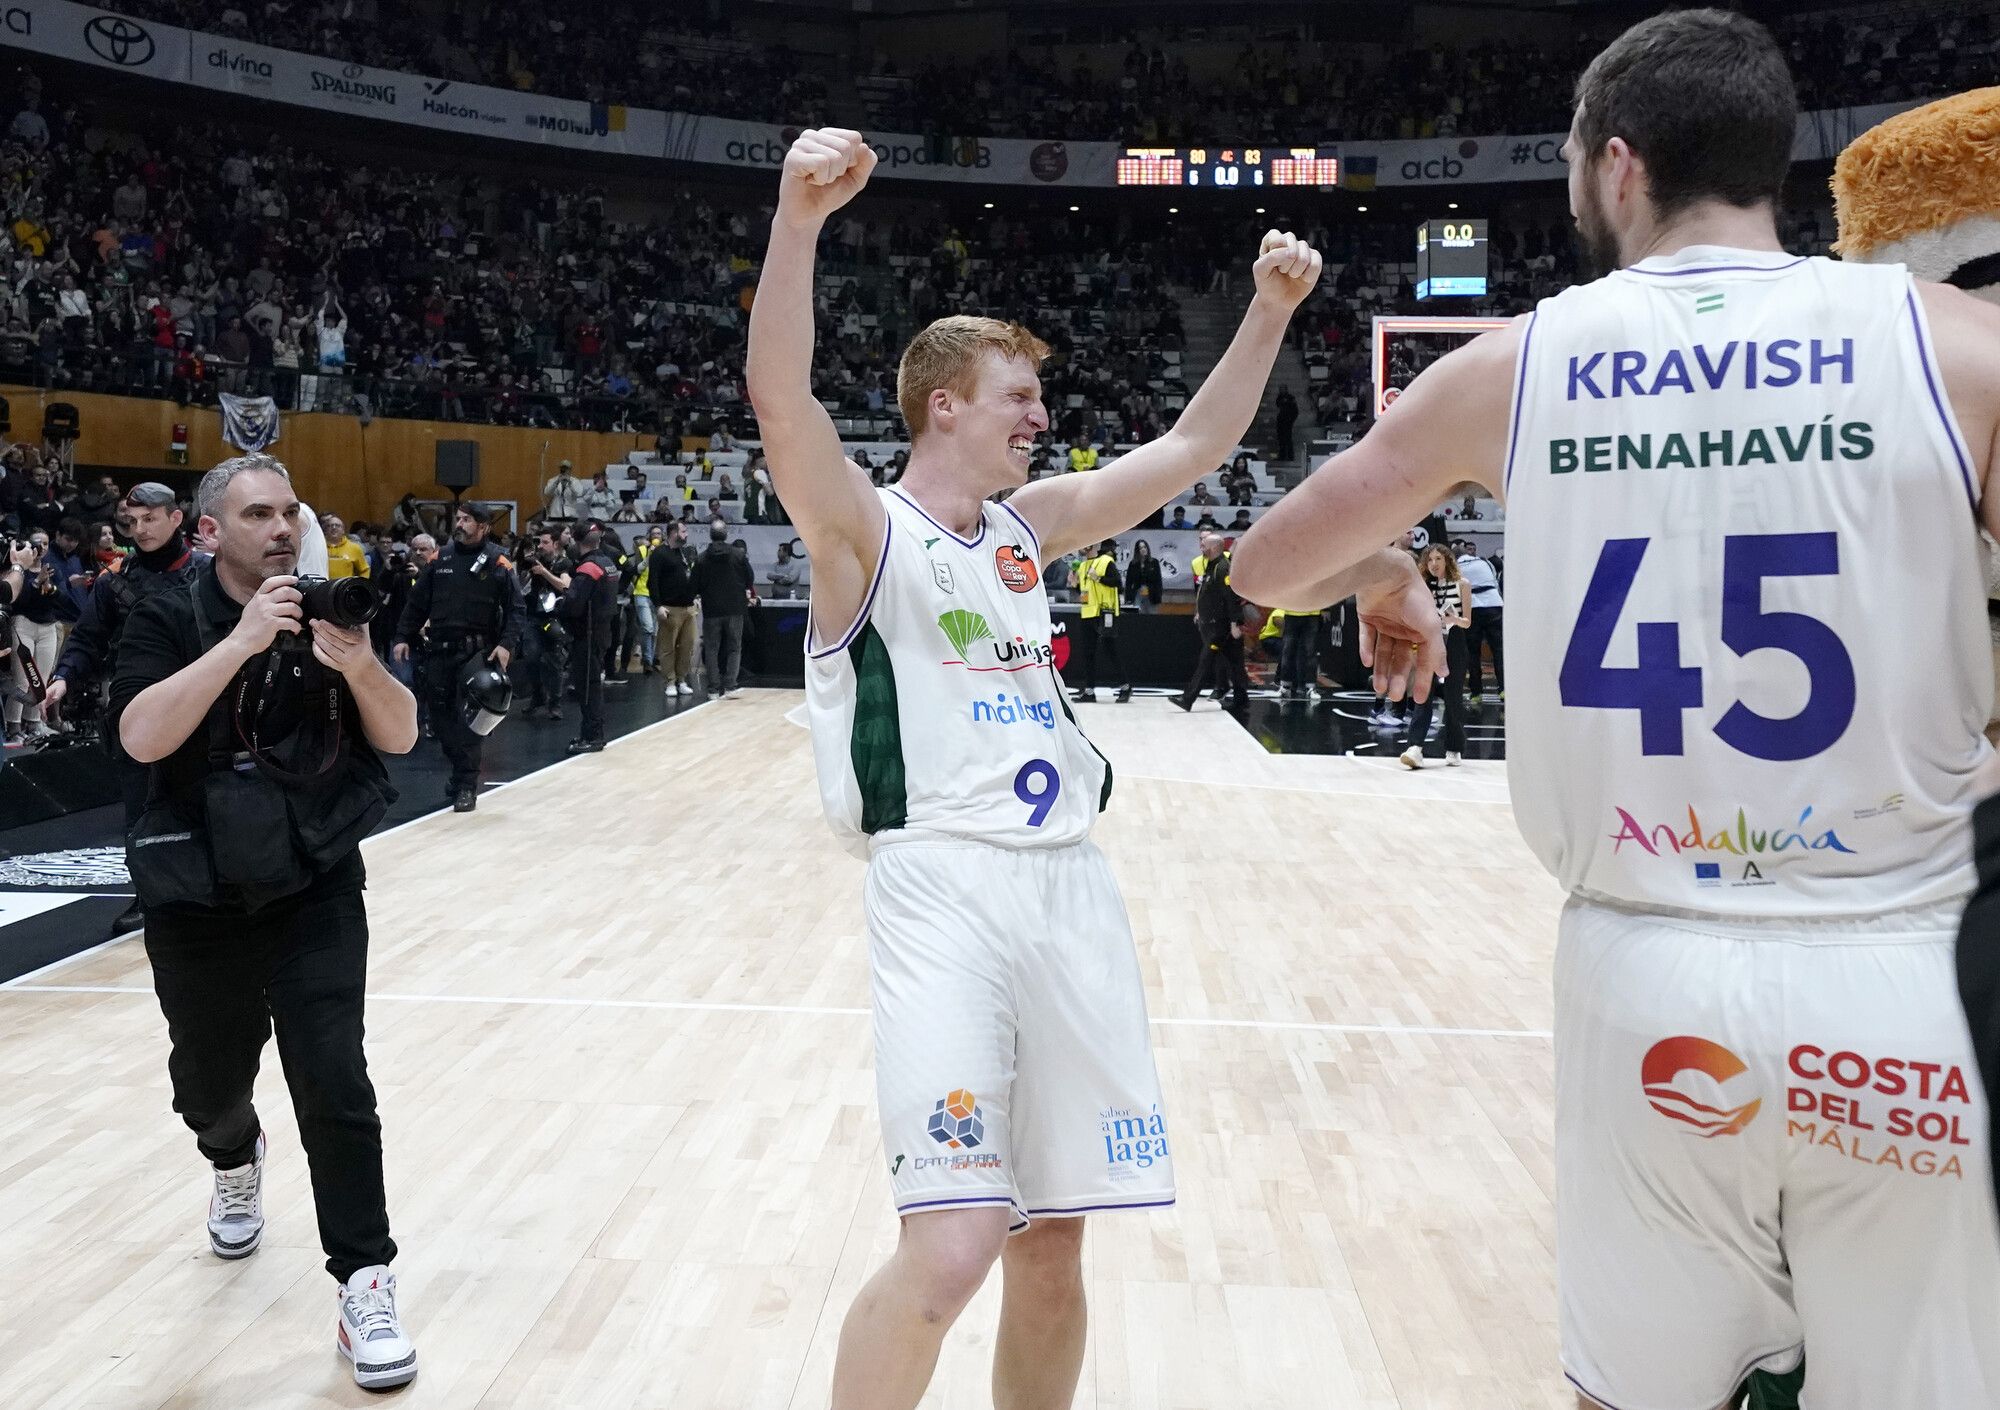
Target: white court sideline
[618,1024]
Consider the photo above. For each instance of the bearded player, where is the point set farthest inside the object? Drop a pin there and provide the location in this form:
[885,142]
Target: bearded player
[1013,1063]
[1743,494]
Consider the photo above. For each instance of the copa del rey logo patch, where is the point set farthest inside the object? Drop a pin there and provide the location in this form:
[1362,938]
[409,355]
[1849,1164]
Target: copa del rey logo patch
[1016,569]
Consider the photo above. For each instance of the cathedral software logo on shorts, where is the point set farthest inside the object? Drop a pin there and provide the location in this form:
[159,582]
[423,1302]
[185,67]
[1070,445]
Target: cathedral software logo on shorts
[1686,1078]
[956,1122]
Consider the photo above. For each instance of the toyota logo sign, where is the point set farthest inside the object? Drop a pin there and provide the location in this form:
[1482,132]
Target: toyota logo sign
[117,40]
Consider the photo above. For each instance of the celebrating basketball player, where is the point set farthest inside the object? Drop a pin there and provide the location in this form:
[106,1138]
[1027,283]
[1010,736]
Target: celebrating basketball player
[1013,1064]
[1748,630]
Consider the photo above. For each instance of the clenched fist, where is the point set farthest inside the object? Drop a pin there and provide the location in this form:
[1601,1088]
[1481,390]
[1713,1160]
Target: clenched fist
[825,169]
[1286,269]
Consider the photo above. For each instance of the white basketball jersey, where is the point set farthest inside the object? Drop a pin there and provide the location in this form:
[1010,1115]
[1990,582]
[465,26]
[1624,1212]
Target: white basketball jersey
[1746,616]
[939,711]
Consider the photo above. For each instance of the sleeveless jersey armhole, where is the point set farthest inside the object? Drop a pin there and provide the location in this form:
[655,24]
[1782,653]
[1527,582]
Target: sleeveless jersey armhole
[816,652]
[1933,384]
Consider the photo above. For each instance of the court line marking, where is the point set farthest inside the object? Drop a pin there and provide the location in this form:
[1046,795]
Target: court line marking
[822,1010]
[1332,789]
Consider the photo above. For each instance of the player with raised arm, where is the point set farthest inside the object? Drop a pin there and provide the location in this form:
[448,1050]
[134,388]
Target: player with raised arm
[1013,1063]
[1747,633]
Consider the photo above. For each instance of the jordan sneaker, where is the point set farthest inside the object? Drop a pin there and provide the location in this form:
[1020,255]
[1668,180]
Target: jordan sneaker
[371,1334]
[236,1209]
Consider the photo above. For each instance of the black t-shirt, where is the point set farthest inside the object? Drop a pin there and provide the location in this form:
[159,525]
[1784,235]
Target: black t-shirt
[263,704]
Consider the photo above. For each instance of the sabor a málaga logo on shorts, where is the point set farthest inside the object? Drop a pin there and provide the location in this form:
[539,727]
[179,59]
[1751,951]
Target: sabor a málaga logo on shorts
[1133,1140]
[1687,1079]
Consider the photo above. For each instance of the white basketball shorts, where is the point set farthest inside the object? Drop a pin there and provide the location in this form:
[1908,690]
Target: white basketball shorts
[1012,1057]
[1771,1155]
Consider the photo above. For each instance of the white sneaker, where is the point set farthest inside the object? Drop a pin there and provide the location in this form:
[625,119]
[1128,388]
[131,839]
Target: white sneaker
[236,1209]
[1451,760]
[683,688]
[732,693]
[371,1334]
[1413,757]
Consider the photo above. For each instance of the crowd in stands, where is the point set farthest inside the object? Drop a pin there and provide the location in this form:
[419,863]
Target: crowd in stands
[610,51]
[204,260]
[1338,91]
[199,260]
[1312,83]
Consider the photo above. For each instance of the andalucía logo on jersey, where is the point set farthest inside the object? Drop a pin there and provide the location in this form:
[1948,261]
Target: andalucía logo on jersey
[1685,1077]
[1016,569]
[976,648]
[1669,839]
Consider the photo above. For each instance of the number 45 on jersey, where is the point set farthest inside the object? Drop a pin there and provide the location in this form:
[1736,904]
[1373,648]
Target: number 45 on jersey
[1661,689]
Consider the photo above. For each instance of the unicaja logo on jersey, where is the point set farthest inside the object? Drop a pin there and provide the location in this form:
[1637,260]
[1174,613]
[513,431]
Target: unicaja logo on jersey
[1684,1078]
[976,648]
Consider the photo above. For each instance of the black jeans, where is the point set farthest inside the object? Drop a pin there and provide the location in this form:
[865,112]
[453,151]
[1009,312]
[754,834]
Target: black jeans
[1452,688]
[546,647]
[1298,659]
[721,650]
[1097,643]
[1222,657]
[1486,627]
[462,748]
[298,966]
[587,674]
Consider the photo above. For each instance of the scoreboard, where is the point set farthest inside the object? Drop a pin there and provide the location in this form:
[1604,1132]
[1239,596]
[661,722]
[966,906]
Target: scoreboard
[1451,259]
[1229,167]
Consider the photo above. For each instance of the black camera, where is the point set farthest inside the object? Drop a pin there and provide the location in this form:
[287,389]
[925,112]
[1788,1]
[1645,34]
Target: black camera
[345,602]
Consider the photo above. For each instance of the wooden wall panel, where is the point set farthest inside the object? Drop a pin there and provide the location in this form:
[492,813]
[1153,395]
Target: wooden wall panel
[336,462]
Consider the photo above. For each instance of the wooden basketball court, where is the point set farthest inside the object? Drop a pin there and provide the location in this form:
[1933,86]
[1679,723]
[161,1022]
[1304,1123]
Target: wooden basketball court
[618,1023]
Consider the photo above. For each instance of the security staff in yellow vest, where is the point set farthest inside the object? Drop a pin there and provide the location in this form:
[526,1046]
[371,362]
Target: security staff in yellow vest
[1083,456]
[1097,584]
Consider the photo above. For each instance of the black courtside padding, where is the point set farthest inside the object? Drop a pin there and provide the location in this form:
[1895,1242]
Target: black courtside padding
[49,783]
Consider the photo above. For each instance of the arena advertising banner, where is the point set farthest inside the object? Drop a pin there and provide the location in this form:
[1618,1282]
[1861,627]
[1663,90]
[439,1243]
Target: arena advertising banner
[1472,161]
[219,63]
[88,36]
[304,80]
[980,161]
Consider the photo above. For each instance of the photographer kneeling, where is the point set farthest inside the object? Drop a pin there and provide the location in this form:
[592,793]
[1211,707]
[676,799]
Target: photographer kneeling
[259,721]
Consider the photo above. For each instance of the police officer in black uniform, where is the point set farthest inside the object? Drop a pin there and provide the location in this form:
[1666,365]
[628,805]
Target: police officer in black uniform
[163,561]
[590,607]
[471,602]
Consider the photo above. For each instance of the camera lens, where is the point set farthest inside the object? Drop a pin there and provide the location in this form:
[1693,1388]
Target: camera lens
[345,602]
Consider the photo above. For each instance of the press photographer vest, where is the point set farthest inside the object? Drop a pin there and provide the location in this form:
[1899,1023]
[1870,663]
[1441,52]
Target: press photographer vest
[271,815]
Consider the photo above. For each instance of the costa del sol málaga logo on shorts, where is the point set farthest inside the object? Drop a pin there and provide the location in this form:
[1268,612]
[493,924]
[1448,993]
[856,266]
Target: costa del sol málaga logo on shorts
[956,1122]
[1684,1079]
